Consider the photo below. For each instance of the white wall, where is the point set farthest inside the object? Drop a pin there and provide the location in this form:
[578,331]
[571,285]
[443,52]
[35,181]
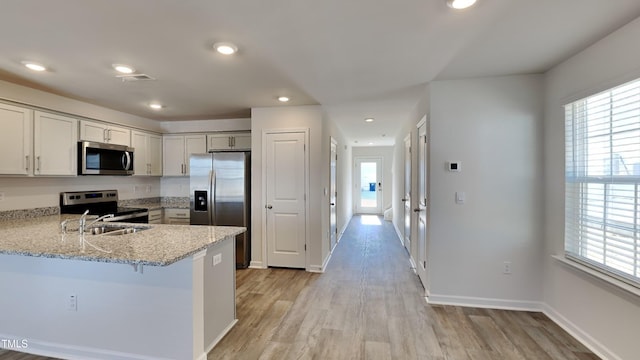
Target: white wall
[29,96]
[291,117]
[494,127]
[174,127]
[344,174]
[35,192]
[408,128]
[599,314]
[386,153]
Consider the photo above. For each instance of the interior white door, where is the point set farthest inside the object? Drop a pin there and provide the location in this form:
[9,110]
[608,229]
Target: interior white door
[368,187]
[406,198]
[421,208]
[285,175]
[333,225]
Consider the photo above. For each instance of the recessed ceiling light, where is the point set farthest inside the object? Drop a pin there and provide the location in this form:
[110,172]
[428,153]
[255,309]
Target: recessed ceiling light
[368,120]
[283,99]
[156,106]
[34,66]
[460,4]
[123,69]
[370,143]
[225,48]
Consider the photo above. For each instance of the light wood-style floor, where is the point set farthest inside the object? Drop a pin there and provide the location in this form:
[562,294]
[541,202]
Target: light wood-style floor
[369,305]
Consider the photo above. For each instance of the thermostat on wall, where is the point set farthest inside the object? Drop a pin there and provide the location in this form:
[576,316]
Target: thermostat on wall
[454,166]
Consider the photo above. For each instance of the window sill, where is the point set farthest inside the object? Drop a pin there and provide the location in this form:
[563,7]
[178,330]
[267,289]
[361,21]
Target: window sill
[598,275]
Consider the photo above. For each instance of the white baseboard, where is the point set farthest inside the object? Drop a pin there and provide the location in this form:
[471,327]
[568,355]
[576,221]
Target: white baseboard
[592,344]
[400,236]
[73,352]
[256,265]
[315,269]
[217,340]
[487,303]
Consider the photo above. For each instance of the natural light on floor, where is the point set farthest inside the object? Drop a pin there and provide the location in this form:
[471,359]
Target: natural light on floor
[370,220]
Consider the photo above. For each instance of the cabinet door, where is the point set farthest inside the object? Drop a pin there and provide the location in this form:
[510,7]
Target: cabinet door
[55,144]
[218,142]
[173,155]
[139,141]
[154,155]
[119,135]
[15,140]
[242,142]
[93,131]
[195,144]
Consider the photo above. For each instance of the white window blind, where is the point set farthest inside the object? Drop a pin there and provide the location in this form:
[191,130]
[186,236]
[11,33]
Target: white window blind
[602,186]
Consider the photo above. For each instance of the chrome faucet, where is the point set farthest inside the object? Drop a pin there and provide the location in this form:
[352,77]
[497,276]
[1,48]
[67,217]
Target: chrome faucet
[83,224]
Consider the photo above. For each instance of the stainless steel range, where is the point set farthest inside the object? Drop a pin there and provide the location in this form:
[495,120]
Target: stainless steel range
[101,202]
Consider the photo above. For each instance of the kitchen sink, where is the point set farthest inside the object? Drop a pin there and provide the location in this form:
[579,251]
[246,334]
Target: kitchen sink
[115,229]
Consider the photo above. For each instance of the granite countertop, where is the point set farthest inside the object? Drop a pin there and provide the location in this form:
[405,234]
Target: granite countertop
[160,245]
[157,203]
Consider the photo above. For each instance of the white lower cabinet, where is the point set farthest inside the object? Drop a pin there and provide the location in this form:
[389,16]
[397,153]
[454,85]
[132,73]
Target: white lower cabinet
[173,216]
[155,216]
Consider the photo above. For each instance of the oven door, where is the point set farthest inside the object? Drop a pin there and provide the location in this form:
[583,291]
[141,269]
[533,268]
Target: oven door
[104,159]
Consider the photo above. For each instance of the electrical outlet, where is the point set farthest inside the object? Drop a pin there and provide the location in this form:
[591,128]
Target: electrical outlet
[72,302]
[506,268]
[217,259]
[1,196]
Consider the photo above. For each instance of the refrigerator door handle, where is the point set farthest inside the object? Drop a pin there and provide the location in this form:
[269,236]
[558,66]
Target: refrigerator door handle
[212,197]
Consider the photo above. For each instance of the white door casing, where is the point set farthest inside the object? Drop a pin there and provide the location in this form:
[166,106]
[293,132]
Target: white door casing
[284,159]
[333,226]
[406,199]
[421,208]
[368,201]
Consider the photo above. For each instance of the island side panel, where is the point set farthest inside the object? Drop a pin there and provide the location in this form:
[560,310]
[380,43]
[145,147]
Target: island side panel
[120,313]
[219,291]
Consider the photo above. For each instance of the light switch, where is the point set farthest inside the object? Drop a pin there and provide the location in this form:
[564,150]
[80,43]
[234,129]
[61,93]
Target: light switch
[460,197]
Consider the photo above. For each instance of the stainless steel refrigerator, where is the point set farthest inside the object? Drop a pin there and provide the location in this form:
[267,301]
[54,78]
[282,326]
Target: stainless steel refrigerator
[220,184]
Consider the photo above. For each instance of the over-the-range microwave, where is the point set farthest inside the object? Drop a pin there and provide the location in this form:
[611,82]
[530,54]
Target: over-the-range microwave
[104,159]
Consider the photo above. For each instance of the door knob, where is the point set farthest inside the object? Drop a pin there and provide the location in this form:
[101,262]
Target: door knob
[403,200]
[333,204]
[269,207]
[417,210]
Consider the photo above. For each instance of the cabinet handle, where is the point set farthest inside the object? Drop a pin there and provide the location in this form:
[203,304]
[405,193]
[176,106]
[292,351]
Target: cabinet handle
[38,161]
[105,137]
[229,141]
[27,162]
[148,169]
[110,135]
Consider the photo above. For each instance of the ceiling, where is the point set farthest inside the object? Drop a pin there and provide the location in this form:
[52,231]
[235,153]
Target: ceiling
[357,58]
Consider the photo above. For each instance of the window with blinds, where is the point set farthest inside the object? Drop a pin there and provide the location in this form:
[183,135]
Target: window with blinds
[602,186]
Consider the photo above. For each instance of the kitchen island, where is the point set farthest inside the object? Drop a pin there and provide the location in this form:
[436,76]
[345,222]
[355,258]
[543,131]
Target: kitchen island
[165,292]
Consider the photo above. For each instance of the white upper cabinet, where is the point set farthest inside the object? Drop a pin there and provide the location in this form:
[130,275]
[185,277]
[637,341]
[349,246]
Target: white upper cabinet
[176,152]
[229,141]
[147,158]
[15,140]
[104,133]
[55,144]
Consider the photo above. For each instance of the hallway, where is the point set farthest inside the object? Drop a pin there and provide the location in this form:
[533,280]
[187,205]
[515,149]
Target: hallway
[369,305]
